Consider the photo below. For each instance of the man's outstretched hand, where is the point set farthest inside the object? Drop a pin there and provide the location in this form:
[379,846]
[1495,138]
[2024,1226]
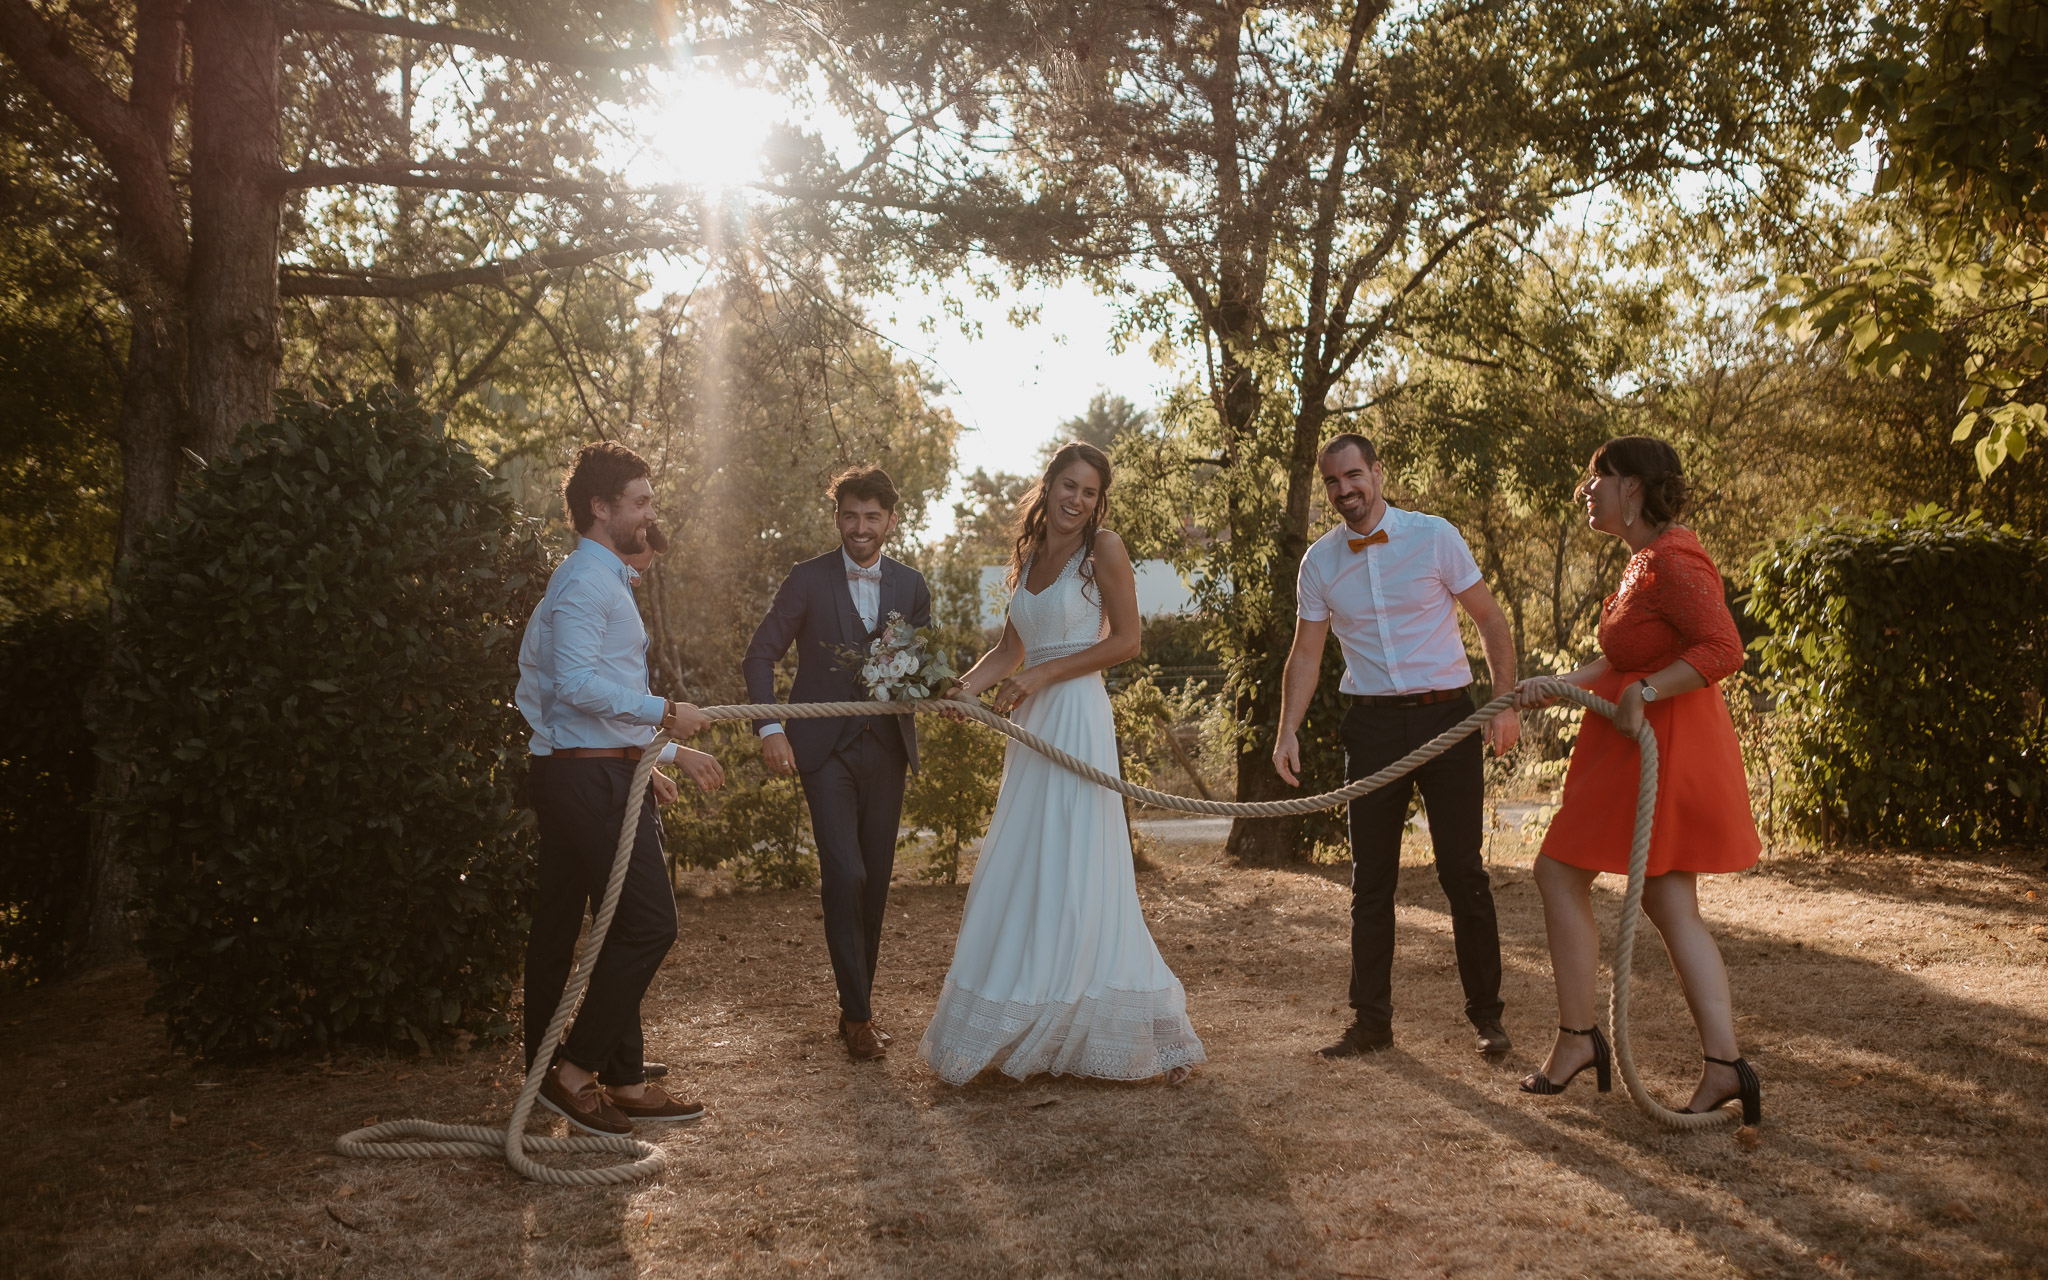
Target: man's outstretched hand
[704,770]
[1287,759]
[1504,731]
[775,753]
[662,787]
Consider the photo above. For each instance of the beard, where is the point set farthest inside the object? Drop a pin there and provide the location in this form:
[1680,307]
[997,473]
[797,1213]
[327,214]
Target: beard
[632,540]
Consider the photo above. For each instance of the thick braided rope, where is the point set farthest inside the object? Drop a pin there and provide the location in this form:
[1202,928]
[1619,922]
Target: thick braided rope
[383,1140]
[1350,791]
[1639,849]
[511,1143]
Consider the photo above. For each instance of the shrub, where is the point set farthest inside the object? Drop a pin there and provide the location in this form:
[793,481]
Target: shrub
[947,803]
[316,674]
[756,827]
[46,778]
[1908,656]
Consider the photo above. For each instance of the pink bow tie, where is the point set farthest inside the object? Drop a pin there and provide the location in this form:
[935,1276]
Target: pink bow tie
[857,574]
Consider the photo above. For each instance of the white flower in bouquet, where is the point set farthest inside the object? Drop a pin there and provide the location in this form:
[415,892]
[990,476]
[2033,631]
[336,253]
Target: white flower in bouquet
[896,664]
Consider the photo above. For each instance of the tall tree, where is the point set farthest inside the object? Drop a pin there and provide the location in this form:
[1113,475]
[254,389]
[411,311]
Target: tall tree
[755,400]
[1301,173]
[1952,93]
[61,353]
[183,107]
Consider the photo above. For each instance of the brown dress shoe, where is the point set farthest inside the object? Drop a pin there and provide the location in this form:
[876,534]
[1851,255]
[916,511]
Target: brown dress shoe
[880,1034]
[656,1105]
[585,1109]
[862,1044]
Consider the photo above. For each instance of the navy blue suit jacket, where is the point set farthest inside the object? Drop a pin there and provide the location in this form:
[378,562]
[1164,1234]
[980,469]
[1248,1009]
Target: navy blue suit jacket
[814,610]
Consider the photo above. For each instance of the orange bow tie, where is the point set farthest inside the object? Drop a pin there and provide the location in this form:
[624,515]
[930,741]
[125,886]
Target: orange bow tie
[1377,538]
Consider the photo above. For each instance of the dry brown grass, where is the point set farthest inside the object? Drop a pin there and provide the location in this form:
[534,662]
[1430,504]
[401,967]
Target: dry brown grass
[1894,1004]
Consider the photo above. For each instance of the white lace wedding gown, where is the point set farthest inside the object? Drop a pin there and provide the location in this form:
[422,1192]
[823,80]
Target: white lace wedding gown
[1054,969]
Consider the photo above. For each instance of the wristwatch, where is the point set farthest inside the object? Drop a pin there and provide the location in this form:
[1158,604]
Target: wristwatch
[1649,692]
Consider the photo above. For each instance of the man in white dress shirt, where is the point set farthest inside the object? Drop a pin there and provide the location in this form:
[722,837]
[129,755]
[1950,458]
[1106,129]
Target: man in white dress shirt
[583,691]
[1389,583]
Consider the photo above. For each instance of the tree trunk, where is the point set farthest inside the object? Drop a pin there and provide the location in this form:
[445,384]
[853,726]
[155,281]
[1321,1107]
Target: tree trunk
[203,358]
[237,119]
[1277,841]
[153,417]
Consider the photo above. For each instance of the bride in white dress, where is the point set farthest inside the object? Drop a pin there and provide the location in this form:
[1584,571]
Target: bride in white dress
[1054,969]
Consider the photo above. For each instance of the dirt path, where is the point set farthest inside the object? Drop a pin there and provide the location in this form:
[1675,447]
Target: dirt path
[1902,1042]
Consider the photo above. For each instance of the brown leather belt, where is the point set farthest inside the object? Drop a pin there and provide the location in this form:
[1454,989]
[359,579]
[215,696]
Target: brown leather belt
[597,753]
[1430,698]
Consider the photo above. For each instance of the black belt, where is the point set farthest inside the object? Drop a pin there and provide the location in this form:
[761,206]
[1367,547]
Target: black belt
[1430,698]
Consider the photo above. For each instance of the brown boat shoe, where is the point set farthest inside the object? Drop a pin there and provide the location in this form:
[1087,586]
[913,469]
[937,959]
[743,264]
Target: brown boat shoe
[586,1109]
[657,1106]
[862,1044]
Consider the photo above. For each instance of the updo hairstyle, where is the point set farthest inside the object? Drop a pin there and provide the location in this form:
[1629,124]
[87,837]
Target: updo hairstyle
[1654,464]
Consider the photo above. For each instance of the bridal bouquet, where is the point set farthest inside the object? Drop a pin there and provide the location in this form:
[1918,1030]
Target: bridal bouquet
[899,663]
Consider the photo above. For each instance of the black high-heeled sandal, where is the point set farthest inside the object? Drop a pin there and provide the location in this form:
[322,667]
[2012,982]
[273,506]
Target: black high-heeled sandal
[1747,1088]
[1540,1083]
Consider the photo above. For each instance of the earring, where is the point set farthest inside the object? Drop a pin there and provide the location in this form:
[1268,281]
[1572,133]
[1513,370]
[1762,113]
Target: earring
[1629,518]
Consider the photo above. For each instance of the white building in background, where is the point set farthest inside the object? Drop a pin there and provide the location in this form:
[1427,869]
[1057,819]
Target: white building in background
[1160,592]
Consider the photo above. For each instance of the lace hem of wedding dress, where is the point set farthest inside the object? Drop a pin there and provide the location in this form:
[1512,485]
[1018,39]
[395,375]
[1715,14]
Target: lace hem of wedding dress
[1118,1035]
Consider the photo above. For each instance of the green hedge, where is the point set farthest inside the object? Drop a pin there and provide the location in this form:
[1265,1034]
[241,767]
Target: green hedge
[46,780]
[1908,656]
[316,679]
[756,826]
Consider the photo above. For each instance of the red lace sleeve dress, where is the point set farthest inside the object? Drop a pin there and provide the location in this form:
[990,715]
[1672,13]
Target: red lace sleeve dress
[1669,606]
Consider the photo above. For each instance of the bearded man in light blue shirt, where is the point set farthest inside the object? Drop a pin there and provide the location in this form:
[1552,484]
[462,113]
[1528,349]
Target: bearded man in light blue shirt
[583,690]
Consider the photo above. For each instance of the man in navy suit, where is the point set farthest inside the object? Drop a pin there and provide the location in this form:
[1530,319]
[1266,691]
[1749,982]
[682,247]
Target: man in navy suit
[852,766]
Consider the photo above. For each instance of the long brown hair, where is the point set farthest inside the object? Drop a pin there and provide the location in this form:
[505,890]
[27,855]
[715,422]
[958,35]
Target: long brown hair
[1031,524]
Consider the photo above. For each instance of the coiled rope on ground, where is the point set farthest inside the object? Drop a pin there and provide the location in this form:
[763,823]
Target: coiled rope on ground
[391,1139]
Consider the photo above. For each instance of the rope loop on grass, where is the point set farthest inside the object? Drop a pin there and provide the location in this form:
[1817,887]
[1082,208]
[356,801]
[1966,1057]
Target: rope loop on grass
[388,1140]
[511,1143]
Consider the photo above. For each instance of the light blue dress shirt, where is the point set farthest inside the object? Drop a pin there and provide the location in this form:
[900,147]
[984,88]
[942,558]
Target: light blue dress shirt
[583,659]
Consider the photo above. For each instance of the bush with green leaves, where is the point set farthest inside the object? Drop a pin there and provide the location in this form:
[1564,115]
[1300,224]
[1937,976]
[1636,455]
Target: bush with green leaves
[316,672]
[47,661]
[756,826]
[947,803]
[1909,657]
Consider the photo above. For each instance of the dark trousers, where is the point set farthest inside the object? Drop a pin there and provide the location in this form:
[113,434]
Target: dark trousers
[856,800]
[581,804]
[1454,796]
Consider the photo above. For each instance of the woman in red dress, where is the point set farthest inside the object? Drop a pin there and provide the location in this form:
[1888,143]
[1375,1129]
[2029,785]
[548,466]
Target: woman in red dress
[1666,639]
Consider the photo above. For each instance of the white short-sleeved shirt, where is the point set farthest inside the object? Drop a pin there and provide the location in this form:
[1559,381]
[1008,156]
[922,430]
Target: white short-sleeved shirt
[1392,604]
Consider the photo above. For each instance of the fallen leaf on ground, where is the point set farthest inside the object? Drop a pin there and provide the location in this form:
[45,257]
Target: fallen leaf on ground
[1747,1136]
[335,1214]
